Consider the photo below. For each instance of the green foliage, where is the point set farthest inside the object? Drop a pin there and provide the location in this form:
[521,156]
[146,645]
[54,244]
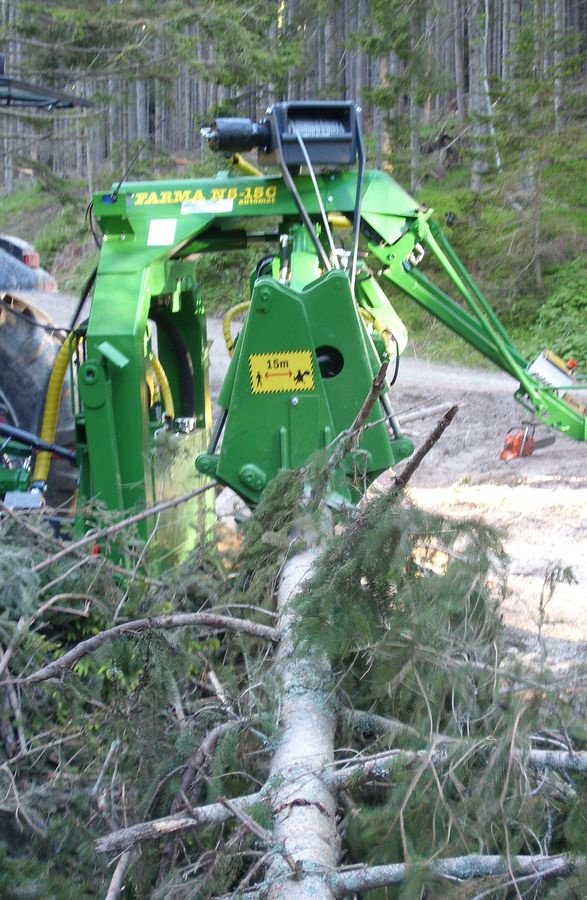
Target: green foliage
[405,606]
[561,319]
[18,582]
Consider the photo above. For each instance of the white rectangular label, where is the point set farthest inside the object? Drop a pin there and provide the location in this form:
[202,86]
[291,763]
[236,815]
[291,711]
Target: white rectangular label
[161,232]
[193,207]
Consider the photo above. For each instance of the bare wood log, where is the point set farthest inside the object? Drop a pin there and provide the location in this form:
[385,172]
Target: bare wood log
[180,620]
[462,868]
[304,806]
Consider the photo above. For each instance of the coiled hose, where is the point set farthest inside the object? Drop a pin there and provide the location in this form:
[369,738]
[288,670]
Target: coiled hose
[185,369]
[51,408]
[53,397]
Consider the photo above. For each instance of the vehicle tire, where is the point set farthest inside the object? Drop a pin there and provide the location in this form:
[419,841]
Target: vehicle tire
[28,347]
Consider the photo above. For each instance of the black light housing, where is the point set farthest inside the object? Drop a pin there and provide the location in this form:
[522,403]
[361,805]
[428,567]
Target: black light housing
[327,130]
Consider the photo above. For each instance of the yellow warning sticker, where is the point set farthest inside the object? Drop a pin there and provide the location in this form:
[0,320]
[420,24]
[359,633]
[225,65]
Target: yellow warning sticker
[271,373]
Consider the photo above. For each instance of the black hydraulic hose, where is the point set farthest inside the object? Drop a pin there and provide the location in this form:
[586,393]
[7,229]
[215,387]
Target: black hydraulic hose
[358,203]
[291,186]
[84,296]
[33,440]
[184,361]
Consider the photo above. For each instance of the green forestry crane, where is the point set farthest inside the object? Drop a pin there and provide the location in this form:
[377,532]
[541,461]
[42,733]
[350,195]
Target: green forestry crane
[317,327]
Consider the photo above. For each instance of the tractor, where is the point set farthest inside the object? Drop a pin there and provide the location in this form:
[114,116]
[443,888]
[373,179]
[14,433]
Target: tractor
[131,381]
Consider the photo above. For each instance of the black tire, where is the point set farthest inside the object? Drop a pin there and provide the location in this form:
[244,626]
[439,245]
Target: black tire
[28,347]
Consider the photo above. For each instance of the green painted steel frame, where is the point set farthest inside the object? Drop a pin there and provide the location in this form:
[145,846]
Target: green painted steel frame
[152,232]
[477,323]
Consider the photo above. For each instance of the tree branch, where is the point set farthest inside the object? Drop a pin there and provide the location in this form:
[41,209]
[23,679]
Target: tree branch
[460,867]
[212,814]
[180,620]
[347,438]
[110,530]
[117,882]
[195,770]
[401,480]
[376,767]
[560,760]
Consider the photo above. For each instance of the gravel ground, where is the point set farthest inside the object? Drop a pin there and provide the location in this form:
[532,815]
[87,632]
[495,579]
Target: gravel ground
[539,502]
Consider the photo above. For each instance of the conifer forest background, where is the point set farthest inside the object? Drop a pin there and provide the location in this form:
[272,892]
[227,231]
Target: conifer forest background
[154,72]
[354,695]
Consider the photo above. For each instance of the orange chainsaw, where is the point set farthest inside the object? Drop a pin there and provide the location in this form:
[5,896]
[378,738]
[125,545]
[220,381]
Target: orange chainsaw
[521,442]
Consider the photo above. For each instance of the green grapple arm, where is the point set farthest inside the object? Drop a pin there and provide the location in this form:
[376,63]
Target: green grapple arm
[546,387]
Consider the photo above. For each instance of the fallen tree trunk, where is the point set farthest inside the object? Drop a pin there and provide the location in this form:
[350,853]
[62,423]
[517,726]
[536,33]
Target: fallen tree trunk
[304,806]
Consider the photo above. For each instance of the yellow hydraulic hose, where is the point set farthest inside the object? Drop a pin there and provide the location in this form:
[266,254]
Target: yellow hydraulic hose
[243,307]
[232,312]
[337,220]
[51,410]
[378,326]
[166,395]
[243,166]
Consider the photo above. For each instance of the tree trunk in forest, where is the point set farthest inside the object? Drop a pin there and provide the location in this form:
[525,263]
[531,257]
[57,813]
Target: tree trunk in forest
[414,137]
[480,101]
[379,113]
[558,58]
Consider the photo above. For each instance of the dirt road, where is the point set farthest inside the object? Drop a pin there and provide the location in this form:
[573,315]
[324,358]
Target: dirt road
[540,501]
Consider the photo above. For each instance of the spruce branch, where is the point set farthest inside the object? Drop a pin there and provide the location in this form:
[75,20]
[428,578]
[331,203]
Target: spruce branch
[401,481]
[137,626]
[202,817]
[359,878]
[21,520]
[378,767]
[192,781]
[347,438]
